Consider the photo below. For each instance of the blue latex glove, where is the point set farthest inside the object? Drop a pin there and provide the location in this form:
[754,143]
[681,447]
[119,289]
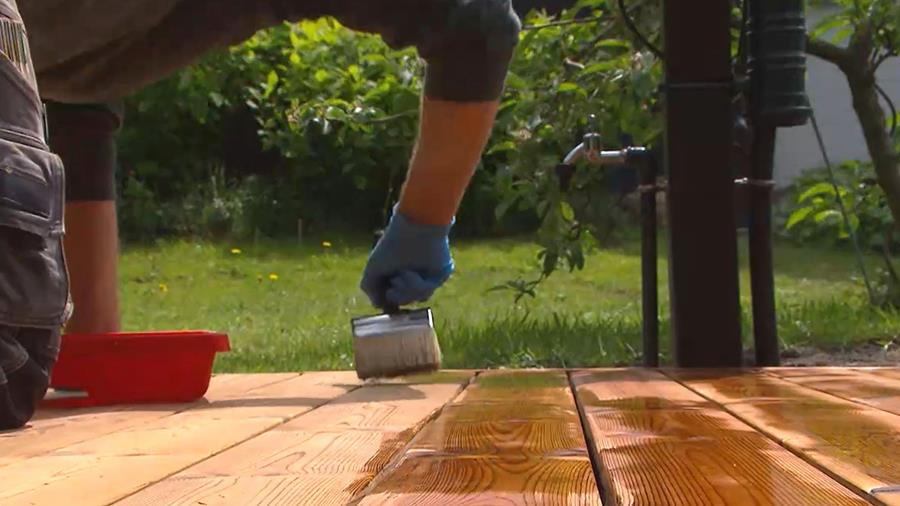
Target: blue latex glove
[408,263]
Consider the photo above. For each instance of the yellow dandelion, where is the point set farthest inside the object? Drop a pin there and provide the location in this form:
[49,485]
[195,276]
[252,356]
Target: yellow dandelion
[326,244]
[163,288]
[273,277]
[235,251]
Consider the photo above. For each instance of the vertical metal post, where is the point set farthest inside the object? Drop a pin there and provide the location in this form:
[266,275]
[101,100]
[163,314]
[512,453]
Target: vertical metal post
[703,260]
[762,278]
[649,289]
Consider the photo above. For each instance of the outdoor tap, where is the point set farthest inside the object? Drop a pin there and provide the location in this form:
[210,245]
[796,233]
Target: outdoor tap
[591,150]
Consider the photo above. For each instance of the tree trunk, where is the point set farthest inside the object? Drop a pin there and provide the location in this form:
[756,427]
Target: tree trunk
[881,150]
[854,61]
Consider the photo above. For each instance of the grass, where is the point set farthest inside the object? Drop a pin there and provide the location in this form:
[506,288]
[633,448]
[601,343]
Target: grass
[287,306]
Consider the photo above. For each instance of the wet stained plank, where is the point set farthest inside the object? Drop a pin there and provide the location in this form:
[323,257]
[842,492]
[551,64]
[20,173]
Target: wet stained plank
[659,443]
[53,429]
[512,437]
[857,444]
[324,457]
[104,469]
[861,386]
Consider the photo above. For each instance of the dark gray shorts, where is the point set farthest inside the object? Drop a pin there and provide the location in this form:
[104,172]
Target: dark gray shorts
[104,50]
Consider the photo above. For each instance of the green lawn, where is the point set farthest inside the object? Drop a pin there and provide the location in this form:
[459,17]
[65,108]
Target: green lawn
[287,306]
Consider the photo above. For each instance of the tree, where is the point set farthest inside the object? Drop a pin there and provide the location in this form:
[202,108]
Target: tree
[871,31]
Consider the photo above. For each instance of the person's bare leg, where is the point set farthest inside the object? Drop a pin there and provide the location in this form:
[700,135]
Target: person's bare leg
[84,137]
[452,137]
[92,251]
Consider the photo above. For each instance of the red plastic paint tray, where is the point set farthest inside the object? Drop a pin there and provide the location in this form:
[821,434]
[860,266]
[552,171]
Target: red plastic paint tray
[136,367]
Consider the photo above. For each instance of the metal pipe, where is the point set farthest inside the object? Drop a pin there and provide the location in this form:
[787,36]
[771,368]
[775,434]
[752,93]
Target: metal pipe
[762,280]
[574,155]
[649,284]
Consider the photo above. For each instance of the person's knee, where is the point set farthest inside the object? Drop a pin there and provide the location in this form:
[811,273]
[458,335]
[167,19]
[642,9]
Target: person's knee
[469,58]
[21,395]
[27,361]
[84,138]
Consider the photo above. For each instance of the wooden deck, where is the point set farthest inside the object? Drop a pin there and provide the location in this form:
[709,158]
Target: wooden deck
[816,436]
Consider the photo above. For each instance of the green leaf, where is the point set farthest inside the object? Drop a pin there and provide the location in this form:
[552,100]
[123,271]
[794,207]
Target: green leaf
[502,146]
[503,207]
[567,87]
[271,82]
[827,214]
[829,23]
[816,190]
[550,261]
[566,210]
[295,40]
[216,98]
[798,216]
[600,67]
[614,43]
[513,81]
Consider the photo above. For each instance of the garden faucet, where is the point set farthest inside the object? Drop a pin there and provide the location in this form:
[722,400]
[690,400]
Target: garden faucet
[591,150]
[641,160]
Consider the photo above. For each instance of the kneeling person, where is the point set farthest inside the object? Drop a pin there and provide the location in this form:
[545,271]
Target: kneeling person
[34,302]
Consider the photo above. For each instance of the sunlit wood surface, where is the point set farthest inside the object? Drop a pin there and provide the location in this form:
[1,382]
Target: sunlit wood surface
[779,436]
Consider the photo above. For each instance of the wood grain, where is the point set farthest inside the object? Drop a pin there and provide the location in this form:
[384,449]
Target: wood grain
[855,443]
[660,443]
[326,456]
[114,465]
[511,438]
[54,429]
[489,481]
[861,386]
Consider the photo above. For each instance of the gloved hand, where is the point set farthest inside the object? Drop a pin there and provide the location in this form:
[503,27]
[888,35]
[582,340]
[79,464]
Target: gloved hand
[409,262]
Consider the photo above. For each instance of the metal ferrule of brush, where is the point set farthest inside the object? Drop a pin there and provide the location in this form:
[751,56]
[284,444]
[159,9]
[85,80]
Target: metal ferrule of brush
[14,45]
[395,344]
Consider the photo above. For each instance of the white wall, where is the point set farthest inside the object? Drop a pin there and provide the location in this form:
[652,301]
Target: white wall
[797,148]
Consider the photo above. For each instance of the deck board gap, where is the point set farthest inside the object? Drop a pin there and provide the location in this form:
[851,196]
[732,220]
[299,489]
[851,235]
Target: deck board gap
[607,498]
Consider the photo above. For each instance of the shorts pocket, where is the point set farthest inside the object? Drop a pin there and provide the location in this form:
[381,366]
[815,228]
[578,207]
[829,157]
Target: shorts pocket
[34,283]
[21,109]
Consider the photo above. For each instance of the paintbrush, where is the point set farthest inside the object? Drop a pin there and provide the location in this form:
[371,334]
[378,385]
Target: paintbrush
[395,343]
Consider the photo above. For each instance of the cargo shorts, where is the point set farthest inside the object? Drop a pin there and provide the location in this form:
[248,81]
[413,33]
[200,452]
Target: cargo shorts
[34,290]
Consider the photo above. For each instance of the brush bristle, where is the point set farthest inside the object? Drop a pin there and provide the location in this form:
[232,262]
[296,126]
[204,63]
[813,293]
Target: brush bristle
[397,354]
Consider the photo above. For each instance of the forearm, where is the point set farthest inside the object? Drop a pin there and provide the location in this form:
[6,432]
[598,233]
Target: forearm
[452,137]
[466,70]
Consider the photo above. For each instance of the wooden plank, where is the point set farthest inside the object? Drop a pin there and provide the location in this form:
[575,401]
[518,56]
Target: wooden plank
[55,429]
[854,443]
[327,456]
[107,468]
[862,386]
[886,372]
[659,443]
[528,449]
